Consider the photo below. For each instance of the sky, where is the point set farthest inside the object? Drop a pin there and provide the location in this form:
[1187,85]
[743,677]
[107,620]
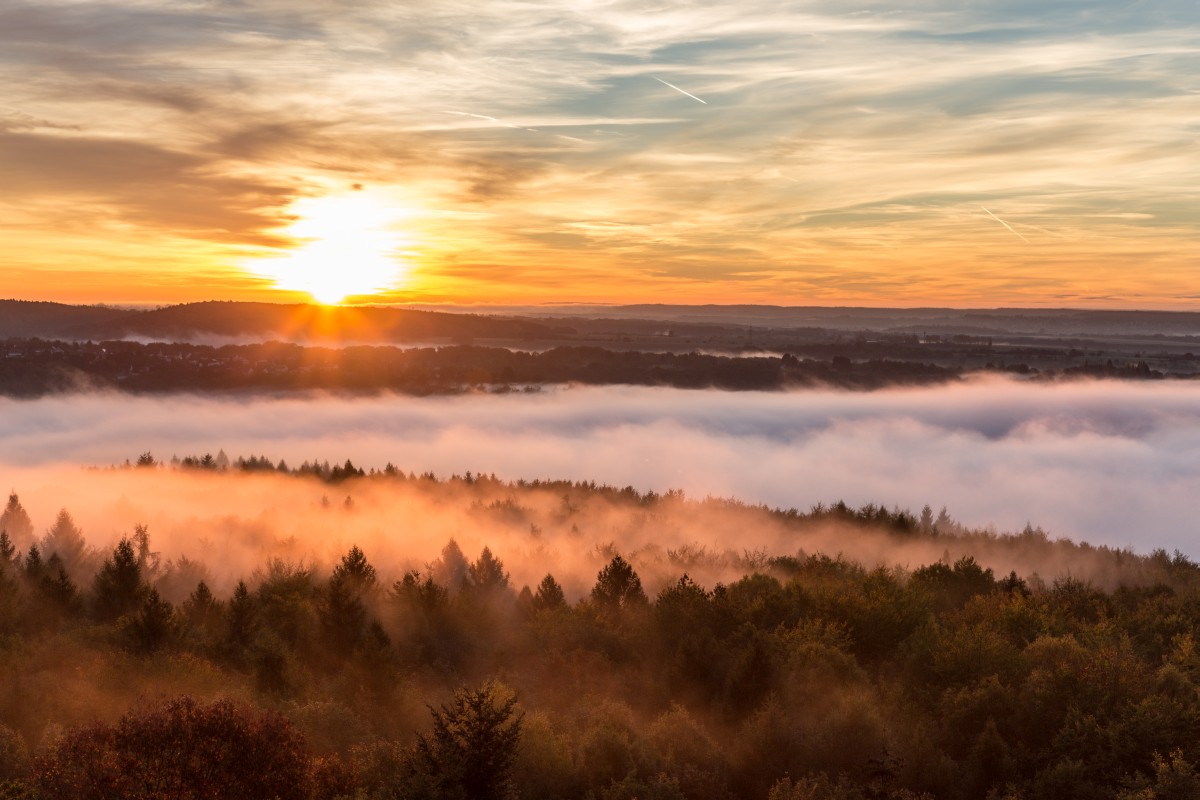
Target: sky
[931,152]
[1104,462]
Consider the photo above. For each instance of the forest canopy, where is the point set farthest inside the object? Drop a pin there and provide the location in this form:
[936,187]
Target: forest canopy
[684,672]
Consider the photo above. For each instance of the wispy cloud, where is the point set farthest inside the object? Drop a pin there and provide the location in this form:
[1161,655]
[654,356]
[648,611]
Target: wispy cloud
[1064,116]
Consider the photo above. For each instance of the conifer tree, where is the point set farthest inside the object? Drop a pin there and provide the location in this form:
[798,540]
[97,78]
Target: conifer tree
[473,745]
[118,588]
[15,520]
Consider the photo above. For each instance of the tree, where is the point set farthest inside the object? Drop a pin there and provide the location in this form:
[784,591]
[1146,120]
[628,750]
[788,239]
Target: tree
[201,611]
[118,588]
[182,750]
[549,594]
[16,522]
[487,573]
[618,586]
[355,571]
[8,552]
[241,622]
[153,624]
[452,569]
[66,539]
[58,589]
[471,750]
[148,561]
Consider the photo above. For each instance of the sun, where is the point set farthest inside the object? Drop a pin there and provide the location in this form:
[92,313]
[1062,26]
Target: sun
[347,244]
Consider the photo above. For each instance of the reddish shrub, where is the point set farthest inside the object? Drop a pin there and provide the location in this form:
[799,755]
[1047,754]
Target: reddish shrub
[180,750]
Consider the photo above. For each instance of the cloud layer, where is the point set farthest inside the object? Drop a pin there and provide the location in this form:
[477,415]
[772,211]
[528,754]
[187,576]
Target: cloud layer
[1104,462]
[959,153]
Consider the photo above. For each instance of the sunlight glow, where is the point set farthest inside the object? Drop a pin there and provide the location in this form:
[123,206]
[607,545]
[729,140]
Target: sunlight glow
[347,245]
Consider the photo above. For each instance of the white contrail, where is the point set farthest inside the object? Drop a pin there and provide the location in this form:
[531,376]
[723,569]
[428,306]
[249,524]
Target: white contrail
[681,91]
[1005,224]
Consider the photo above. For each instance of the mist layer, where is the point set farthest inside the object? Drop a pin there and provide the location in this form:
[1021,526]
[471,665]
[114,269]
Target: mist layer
[1111,463]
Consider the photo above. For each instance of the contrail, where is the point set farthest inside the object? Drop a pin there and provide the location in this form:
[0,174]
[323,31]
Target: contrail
[1005,224]
[681,91]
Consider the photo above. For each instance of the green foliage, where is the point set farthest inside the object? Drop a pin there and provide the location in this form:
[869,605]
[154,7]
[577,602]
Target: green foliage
[821,679]
[470,752]
[549,595]
[618,587]
[153,625]
[118,588]
[15,522]
[487,573]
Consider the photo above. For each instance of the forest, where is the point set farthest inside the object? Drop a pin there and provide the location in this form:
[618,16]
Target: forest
[832,667]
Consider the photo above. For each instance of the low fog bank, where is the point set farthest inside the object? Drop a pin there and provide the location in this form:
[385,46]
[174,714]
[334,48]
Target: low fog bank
[1106,462]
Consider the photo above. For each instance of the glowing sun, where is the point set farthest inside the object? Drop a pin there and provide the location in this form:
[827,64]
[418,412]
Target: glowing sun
[347,245]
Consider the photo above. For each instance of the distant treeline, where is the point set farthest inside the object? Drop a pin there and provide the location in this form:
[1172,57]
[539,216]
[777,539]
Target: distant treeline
[810,676]
[37,367]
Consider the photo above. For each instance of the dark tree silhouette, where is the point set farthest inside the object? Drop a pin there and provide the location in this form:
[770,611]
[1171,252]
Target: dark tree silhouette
[16,522]
[471,750]
[65,538]
[118,588]
[618,586]
[487,573]
[549,594]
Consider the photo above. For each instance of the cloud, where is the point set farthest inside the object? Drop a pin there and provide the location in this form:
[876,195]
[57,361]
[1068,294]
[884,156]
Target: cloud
[1110,463]
[1036,111]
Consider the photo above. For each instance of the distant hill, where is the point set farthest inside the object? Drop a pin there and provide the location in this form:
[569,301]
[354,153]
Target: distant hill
[261,321]
[1043,321]
[26,318]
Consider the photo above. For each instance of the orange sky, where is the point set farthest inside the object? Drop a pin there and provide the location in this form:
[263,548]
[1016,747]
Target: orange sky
[931,154]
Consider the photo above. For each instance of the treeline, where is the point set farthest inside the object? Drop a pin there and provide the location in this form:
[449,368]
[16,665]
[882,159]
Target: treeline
[36,367]
[812,677]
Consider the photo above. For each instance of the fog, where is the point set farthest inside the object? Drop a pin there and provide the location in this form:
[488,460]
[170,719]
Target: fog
[1106,462]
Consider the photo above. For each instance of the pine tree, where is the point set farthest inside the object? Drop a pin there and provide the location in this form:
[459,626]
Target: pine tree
[549,594]
[153,625]
[452,569]
[618,586]
[487,573]
[8,552]
[118,588]
[241,621]
[355,571]
[66,539]
[16,521]
[472,747]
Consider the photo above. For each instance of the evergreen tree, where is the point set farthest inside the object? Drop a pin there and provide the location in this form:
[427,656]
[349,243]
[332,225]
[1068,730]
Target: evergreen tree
[148,561]
[343,611]
[355,571]
[8,552]
[452,569]
[241,621]
[118,588]
[472,748]
[58,589]
[618,586]
[487,573]
[549,594]
[201,609]
[153,624]
[16,522]
[66,539]
[34,566]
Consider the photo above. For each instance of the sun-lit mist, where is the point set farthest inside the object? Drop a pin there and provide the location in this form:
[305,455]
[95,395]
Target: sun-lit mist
[347,244]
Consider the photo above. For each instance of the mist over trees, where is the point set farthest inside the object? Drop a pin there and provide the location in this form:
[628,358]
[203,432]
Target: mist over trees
[793,675]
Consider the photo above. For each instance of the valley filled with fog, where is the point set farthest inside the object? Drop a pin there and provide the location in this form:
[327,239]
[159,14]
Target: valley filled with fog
[1108,462]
